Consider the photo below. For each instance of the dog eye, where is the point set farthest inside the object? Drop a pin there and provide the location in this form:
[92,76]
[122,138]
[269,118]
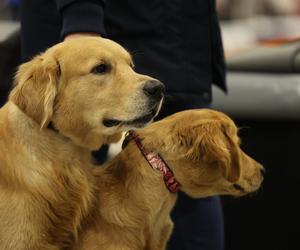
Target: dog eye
[101,69]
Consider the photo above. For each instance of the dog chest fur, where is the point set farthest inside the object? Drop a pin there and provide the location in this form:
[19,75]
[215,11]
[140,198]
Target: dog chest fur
[46,201]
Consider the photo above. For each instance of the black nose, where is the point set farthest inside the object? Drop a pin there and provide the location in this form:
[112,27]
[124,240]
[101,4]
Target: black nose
[154,89]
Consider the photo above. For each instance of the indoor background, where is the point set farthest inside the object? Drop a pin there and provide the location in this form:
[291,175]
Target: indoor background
[262,47]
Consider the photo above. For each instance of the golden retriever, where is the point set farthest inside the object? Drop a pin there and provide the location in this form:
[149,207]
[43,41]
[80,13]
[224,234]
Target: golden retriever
[201,147]
[88,89]
[68,101]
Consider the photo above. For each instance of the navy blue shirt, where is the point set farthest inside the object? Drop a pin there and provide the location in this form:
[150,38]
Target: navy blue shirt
[177,41]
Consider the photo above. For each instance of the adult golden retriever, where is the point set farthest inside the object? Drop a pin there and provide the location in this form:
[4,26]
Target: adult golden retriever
[67,101]
[201,147]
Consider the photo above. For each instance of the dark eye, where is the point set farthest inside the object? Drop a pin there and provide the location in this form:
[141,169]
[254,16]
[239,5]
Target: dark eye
[100,69]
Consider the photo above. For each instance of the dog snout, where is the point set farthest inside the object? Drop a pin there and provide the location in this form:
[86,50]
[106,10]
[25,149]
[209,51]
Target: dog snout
[262,171]
[154,89]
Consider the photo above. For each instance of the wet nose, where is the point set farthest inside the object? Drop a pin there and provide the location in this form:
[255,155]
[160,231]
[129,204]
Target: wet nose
[154,89]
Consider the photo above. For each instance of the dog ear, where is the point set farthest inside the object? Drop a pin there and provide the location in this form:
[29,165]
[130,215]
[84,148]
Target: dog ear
[233,170]
[36,88]
[215,145]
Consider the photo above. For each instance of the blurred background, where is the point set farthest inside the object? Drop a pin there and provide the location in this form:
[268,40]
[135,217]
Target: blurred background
[262,47]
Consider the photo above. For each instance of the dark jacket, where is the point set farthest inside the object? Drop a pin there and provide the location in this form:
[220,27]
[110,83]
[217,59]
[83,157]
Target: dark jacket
[175,41]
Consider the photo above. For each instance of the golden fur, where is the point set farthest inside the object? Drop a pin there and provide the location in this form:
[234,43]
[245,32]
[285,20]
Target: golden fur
[133,211]
[52,196]
[47,187]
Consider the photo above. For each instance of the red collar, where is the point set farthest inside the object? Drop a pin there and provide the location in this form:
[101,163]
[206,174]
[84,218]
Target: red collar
[155,161]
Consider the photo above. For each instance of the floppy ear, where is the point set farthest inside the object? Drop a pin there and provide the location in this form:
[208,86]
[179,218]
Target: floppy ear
[216,146]
[36,88]
[233,170]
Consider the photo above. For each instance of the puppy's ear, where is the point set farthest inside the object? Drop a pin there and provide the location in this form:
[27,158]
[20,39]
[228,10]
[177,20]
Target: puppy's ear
[233,170]
[36,88]
[215,145]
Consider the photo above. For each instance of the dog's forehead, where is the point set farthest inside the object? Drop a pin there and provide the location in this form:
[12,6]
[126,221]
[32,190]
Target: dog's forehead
[199,115]
[88,47]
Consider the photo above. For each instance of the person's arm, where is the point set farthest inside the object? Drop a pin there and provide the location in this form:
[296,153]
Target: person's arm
[81,17]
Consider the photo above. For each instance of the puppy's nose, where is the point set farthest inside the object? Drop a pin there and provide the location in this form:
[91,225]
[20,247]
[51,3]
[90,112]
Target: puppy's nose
[262,171]
[154,89]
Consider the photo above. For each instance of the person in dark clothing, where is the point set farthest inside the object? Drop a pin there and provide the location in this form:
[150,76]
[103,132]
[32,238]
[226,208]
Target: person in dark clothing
[177,42]
[9,60]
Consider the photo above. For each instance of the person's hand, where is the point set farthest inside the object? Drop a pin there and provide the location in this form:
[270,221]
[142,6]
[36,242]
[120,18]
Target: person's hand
[81,34]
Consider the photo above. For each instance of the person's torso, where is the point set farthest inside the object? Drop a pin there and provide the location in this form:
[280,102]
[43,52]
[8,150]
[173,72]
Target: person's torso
[176,41]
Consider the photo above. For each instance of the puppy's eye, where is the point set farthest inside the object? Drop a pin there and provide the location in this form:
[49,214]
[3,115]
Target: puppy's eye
[101,69]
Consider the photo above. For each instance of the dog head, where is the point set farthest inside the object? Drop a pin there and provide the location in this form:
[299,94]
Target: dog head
[203,150]
[88,90]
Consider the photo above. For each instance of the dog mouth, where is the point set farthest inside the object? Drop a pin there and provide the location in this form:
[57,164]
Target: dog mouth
[138,122]
[239,188]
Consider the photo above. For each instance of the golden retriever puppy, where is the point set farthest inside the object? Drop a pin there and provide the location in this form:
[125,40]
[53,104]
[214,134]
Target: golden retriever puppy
[67,101]
[195,151]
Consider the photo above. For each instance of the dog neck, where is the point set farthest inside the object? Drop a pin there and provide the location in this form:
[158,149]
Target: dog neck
[155,161]
[134,194]
[27,137]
